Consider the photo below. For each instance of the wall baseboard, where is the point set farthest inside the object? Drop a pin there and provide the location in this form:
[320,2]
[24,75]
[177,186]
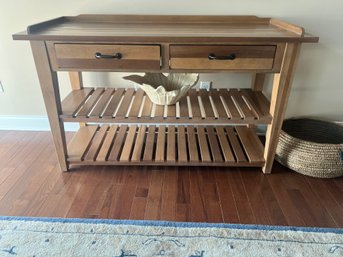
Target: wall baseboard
[41,123]
[32,123]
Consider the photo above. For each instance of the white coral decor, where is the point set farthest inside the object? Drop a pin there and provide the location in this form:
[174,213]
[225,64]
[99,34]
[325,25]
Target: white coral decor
[162,89]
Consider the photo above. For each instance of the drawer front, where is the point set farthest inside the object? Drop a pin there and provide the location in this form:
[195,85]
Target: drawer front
[83,56]
[228,57]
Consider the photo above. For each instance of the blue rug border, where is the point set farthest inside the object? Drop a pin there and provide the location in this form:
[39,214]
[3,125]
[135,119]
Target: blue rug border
[175,224]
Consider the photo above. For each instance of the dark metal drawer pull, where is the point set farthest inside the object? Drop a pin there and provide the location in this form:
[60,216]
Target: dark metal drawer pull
[107,56]
[226,57]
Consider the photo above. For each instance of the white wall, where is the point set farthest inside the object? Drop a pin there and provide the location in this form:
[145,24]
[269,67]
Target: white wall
[317,91]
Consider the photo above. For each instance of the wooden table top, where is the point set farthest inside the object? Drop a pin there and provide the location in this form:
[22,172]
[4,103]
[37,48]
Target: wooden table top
[166,28]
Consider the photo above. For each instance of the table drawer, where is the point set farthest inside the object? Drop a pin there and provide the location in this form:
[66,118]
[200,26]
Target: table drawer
[104,57]
[227,57]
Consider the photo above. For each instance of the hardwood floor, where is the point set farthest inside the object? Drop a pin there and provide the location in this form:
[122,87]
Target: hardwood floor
[31,184]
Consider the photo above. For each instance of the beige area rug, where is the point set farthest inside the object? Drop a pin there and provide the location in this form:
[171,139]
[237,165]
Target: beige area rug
[37,237]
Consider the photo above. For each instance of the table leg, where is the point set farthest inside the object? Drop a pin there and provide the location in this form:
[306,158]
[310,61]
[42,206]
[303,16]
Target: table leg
[257,83]
[76,83]
[50,90]
[279,98]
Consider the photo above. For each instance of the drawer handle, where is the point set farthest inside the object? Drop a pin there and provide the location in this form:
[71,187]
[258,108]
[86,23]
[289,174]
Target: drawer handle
[226,57]
[107,56]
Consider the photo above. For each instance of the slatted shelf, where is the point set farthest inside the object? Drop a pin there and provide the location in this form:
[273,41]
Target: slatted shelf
[166,145]
[198,107]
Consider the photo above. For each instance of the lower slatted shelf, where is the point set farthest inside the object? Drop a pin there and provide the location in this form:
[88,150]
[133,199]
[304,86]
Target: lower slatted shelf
[166,145]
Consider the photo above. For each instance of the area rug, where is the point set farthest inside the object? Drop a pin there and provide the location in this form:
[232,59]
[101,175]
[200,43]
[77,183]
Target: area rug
[37,237]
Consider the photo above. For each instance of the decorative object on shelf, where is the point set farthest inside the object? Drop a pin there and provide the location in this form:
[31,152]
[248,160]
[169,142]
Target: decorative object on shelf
[311,147]
[165,90]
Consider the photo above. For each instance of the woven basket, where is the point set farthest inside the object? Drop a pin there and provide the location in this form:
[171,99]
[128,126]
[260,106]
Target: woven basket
[311,147]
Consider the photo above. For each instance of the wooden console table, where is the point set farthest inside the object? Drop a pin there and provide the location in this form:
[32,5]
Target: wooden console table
[214,128]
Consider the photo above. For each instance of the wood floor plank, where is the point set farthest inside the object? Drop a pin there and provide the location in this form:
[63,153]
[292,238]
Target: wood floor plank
[253,185]
[226,197]
[33,185]
[197,204]
[244,210]
[125,196]
[169,195]
[154,199]
[210,196]
[183,195]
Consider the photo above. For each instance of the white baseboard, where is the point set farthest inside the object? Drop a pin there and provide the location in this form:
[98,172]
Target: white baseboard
[41,123]
[32,123]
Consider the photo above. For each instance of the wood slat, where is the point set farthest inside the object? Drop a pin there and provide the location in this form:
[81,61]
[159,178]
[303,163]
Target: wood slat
[171,111]
[146,112]
[206,103]
[117,144]
[193,95]
[252,145]
[215,149]
[124,106]
[74,100]
[96,143]
[138,148]
[105,148]
[171,144]
[181,144]
[159,110]
[232,109]
[127,149]
[87,107]
[112,106]
[247,113]
[80,142]
[218,104]
[192,145]
[183,107]
[225,145]
[237,149]
[203,145]
[100,106]
[259,102]
[137,103]
[149,144]
[160,145]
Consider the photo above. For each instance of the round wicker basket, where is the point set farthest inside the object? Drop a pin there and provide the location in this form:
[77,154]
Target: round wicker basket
[311,147]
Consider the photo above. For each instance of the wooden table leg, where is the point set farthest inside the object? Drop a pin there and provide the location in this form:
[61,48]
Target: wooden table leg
[50,90]
[76,82]
[281,90]
[257,83]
